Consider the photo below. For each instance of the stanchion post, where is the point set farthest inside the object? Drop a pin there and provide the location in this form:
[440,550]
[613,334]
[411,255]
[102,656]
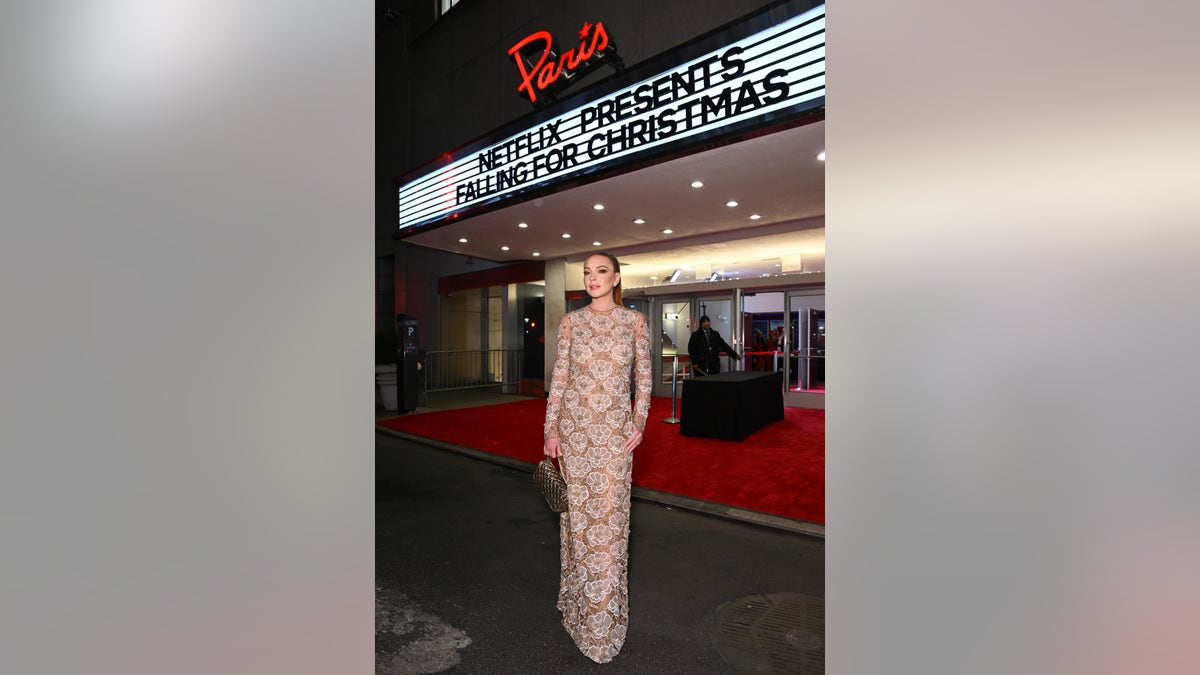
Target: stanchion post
[674,379]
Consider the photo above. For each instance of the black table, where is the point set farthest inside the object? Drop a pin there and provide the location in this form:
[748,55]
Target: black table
[731,406]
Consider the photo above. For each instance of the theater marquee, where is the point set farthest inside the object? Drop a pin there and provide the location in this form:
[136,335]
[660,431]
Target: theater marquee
[778,69]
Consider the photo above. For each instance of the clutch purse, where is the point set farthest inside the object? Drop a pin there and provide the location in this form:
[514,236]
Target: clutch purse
[550,481]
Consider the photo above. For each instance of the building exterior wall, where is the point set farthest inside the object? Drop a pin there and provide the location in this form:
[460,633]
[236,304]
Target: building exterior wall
[418,270]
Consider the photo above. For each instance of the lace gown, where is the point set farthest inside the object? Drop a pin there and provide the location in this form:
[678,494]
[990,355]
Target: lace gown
[589,413]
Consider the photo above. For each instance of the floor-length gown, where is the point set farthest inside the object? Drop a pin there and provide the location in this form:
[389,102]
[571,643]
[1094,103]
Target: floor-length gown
[589,412]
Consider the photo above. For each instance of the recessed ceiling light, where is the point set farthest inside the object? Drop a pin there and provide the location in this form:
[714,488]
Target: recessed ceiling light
[503,248]
[755,216]
[697,184]
[462,240]
[598,207]
[731,203]
[821,156]
[522,224]
[566,235]
[595,243]
[638,221]
[536,254]
[668,231]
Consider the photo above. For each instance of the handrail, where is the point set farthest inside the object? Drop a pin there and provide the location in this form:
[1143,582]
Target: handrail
[470,368]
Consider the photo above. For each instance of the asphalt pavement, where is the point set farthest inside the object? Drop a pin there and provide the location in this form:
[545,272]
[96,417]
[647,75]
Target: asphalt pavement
[466,556]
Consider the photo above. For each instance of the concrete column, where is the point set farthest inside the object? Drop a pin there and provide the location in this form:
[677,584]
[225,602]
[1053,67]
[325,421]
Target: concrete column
[514,333]
[556,307]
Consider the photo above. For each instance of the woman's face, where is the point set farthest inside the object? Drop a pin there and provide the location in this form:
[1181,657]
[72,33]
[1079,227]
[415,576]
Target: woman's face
[599,277]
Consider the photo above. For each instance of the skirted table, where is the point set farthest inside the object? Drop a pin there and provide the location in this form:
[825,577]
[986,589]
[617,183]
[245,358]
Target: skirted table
[731,406]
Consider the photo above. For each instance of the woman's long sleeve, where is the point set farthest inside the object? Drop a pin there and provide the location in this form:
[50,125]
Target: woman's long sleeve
[558,379]
[642,374]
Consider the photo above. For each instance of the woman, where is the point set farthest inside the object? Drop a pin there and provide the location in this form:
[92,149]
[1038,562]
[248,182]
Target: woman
[590,427]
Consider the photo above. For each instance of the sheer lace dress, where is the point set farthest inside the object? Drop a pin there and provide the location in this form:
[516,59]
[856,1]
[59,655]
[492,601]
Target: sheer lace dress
[599,353]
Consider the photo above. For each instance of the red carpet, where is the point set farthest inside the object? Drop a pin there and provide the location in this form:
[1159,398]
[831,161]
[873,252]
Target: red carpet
[779,469]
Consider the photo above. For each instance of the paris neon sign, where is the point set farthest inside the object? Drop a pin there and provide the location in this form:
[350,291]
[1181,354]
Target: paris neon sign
[548,70]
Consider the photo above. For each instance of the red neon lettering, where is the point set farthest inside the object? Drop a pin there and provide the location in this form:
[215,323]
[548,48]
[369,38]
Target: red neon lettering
[526,76]
[599,41]
[547,73]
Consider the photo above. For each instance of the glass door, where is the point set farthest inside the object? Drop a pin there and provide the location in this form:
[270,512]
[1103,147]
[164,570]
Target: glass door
[673,322]
[677,318]
[719,311]
[804,345]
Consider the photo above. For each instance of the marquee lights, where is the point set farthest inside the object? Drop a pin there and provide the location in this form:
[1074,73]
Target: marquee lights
[779,68]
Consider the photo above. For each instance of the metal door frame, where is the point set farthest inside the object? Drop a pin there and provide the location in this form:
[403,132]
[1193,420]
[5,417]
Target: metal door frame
[734,298]
[800,399]
[657,304]
[657,307]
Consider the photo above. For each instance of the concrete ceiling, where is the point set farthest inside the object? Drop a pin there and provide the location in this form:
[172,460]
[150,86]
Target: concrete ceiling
[777,176]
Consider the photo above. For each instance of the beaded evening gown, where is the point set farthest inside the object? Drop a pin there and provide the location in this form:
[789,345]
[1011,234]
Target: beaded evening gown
[589,413]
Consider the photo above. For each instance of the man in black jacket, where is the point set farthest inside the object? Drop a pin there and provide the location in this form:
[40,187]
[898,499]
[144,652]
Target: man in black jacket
[704,349]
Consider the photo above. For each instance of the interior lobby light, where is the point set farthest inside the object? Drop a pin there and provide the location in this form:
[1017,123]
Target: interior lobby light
[503,248]
[522,224]
[598,207]
[674,275]
[536,254]
[821,156]
[755,216]
[697,184]
[566,235]
[668,231]
[731,203]
[638,221]
[462,240]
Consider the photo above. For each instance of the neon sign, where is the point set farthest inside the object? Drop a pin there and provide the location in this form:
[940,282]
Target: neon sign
[551,70]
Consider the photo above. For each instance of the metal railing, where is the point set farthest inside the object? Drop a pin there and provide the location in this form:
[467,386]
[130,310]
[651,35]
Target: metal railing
[468,368]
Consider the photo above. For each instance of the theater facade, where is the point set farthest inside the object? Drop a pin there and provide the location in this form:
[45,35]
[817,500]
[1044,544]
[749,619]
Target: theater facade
[516,139]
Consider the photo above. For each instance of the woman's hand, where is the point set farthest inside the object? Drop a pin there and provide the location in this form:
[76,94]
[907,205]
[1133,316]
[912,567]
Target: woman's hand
[634,440]
[552,448]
